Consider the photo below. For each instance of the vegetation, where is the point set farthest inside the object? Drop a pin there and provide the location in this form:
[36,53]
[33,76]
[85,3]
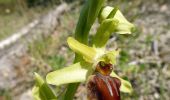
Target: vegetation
[14,14]
[137,61]
[86,57]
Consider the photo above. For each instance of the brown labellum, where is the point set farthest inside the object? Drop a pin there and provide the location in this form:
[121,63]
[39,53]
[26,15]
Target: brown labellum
[101,86]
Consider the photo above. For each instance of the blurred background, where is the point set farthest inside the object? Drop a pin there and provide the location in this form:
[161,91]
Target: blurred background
[33,39]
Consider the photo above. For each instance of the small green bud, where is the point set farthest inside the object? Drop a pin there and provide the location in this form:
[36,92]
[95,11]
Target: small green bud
[123,26]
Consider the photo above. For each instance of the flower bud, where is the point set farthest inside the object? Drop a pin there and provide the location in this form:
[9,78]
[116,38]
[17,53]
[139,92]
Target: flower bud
[123,26]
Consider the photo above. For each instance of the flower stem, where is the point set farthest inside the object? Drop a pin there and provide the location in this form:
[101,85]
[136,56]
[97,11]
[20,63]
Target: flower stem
[87,17]
[71,90]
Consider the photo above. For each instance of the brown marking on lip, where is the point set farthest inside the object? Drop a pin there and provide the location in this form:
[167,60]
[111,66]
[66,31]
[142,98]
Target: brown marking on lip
[99,89]
[101,86]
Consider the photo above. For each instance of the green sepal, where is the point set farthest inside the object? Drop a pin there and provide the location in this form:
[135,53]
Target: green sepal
[41,91]
[125,28]
[112,13]
[87,52]
[126,86]
[74,73]
[104,31]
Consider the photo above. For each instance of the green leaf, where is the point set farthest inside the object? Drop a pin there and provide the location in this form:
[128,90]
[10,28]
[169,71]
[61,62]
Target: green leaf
[104,31]
[41,91]
[94,9]
[123,27]
[88,53]
[74,73]
[87,17]
[125,85]
[80,34]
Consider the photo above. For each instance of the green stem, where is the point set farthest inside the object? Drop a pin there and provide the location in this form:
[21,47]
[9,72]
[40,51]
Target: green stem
[71,90]
[72,87]
[87,17]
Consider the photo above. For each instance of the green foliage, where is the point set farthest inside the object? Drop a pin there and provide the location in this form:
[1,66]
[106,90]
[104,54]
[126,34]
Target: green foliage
[7,1]
[33,3]
[87,17]
[56,61]
[124,57]
[39,48]
[5,94]
[7,24]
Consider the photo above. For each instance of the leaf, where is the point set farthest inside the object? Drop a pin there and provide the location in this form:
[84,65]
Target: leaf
[125,85]
[87,17]
[88,53]
[75,73]
[94,9]
[80,34]
[41,91]
[104,31]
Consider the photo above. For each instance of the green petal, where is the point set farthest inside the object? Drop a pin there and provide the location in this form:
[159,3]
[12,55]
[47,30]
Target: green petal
[124,26]
[75,73]
[41,91]
[88,53]
[110,57]
[104,31]
[125,85]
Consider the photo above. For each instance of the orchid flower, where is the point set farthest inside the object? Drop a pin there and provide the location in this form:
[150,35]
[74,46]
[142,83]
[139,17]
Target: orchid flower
[111,21]
[80,71]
